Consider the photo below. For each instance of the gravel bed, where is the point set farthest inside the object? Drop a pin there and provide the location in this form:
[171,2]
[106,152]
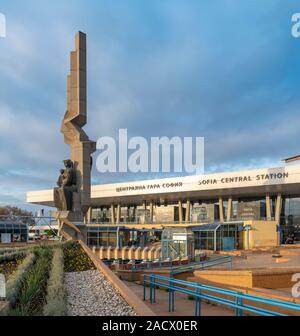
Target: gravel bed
[90,294]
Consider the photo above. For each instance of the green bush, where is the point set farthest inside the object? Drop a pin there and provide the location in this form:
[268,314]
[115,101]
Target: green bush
[15,281]
[56,297]
[9,267]
[9,256]
[75,259]
[32,294]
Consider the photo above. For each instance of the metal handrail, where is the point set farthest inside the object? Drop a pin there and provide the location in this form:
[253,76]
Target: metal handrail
[202,265]
[204,292]
[156,264]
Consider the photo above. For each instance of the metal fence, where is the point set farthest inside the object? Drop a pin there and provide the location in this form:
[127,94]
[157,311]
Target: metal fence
[201,265]
[241,303]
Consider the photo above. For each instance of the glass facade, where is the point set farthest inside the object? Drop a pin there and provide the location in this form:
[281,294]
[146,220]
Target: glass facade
[104,215]
[99,236]
[13,232]
[206,211]
[101,215]
[202,212]
[218,237]
[290,218]
[177,243]
[109,236]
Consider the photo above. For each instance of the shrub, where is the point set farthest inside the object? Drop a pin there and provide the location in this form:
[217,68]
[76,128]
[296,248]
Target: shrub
[56,297]
[9,267]
[75,259]
[14,283]
[32,294]
[10,256]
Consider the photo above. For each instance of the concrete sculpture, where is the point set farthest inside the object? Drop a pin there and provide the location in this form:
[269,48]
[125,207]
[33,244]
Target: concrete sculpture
[73,195]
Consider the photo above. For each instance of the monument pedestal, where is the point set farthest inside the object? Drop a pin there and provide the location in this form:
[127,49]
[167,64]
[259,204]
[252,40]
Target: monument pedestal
[72,223]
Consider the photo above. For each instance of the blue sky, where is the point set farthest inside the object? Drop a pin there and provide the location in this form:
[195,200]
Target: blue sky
[227,70]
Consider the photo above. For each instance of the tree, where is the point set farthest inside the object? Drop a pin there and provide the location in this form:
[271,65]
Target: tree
[14,213]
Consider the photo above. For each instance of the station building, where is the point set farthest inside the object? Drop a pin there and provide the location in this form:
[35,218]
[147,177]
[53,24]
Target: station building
[220,211]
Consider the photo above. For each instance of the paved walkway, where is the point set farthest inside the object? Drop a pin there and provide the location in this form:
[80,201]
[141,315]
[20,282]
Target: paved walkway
[183,306]
[265,260]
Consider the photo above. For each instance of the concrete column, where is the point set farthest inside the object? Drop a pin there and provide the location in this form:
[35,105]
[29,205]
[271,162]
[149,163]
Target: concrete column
[101,253]
[138,253]
[188,211]
[110,253]
[88,216]
[268,207]
[131,253]
[126,214]
[145,253]
[145,205]
[180,212]
[221,210]
[118,214]
[151,212]
[112,214]
[278,208]
[129,212]
[229,209]
[134,213]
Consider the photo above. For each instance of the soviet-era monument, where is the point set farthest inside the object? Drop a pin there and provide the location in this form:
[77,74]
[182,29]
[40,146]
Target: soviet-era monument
[72,197]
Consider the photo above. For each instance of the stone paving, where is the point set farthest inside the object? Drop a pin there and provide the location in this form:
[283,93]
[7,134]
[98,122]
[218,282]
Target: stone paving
[266,260]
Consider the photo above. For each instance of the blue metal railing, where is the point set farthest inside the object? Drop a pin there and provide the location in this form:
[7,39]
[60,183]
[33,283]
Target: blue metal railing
[240,302]
[184,265]
[159,264]
[202,265]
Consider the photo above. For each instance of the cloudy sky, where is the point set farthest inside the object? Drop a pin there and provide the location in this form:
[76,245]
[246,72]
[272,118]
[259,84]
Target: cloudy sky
[226,70]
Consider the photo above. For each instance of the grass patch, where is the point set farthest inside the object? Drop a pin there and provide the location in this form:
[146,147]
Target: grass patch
[15,281]
[56,296]
[75,259]
[32,295]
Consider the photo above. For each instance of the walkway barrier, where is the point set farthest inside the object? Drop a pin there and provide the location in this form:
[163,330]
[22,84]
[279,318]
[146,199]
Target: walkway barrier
[202,265]
[240,302]
[159,264]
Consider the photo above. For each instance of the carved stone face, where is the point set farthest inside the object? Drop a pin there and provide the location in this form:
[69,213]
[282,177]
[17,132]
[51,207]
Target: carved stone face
[68,163]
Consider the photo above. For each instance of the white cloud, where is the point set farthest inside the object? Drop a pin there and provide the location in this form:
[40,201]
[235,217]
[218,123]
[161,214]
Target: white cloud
[164,68]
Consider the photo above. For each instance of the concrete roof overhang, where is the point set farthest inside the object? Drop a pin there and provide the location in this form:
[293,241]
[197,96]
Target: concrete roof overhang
[251,183]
